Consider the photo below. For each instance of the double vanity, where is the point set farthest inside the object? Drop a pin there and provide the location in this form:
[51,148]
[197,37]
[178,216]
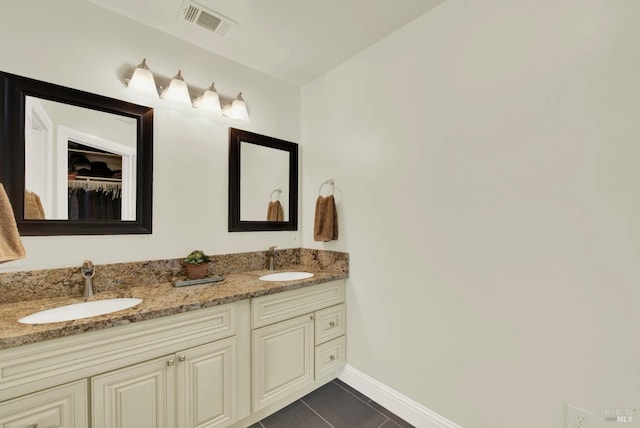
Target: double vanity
[141,352]
[211,355]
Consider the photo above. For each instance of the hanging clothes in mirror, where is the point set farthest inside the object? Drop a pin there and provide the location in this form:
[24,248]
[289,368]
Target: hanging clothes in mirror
[94,200]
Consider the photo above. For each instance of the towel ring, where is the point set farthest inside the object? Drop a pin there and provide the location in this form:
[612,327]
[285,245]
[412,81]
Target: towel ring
[278,191]
[331,182]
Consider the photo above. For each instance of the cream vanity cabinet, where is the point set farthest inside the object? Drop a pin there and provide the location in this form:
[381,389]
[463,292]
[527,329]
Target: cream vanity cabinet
[223,366]
[297,342]
[196,386]
[173,371]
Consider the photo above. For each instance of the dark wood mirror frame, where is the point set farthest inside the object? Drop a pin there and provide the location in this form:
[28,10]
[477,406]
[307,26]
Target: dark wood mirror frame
[13,92]
[236,137]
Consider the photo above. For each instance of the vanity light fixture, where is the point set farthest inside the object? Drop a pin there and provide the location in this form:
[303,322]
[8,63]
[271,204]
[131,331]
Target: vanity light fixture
[237,109]
[178,92]
[209,101]
[142,80]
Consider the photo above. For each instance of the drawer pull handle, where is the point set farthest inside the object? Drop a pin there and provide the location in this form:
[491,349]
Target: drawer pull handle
[182,358]
[332,324]
[332,357]
[33,426]
[170,362]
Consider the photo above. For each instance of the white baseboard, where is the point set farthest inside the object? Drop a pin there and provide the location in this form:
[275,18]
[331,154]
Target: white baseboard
[412,412]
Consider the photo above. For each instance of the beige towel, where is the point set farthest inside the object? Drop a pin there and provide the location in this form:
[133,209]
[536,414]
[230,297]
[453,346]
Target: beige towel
[33,209]
[10,245]
[325,225]
[275,211]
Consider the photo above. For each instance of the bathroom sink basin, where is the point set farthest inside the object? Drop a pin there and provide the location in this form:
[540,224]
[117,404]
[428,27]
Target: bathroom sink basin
[77,311]
[285,276]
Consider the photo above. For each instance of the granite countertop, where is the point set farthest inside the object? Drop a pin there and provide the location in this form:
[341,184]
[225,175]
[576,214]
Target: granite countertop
[158,300]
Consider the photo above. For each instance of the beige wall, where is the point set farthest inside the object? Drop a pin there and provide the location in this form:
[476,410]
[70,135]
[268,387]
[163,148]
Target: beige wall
[77,44]
[486,166]
[485,159]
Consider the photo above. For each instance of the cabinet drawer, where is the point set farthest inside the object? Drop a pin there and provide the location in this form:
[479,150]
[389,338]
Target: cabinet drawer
[330,357]
[330,323]
[273,308]
[64,406]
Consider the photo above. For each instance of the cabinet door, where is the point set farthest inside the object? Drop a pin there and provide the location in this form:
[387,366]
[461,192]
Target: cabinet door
[207,385]
[282,359]
[140,396]
[61,407]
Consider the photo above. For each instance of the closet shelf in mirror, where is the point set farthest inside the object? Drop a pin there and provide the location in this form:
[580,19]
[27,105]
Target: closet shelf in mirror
[104,179]
[95,185]
[94,152]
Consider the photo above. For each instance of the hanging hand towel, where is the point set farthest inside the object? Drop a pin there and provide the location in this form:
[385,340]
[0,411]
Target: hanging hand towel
[10,245]
[33,209]
[325,227]
[275,211]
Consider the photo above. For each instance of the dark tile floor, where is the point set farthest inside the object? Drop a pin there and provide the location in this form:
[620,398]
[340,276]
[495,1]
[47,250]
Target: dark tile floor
[336,405]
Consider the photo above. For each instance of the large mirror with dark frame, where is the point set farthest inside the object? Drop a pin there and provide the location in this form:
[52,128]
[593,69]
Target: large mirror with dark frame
[73,162]
[263,182]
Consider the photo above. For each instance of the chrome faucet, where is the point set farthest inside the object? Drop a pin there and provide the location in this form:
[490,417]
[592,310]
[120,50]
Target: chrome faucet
[271,253]
[88,272]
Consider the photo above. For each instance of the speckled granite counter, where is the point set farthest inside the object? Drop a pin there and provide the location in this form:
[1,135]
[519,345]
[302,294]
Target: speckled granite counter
[23,293]
[158,300]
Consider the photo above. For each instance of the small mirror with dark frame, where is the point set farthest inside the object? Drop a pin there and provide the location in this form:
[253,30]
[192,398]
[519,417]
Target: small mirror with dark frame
[73,162]
[263,182]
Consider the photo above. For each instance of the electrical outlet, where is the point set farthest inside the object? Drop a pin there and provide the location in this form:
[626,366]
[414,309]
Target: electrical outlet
[579,418]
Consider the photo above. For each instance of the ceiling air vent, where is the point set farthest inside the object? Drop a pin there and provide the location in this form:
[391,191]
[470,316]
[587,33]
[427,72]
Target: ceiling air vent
[197,14]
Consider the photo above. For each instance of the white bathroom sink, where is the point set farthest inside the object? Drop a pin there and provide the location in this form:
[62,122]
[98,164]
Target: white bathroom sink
[77,311]
[286,276]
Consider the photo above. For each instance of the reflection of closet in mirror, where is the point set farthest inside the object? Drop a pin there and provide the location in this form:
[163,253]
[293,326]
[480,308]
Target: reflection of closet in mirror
[94,183]
[72,152]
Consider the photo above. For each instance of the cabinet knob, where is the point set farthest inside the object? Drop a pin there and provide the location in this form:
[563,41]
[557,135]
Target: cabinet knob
[332,324]
[182,358]
[332,357]
[311,317]
[170,362]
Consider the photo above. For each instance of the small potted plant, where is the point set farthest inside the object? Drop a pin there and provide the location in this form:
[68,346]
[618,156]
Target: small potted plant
[196,263]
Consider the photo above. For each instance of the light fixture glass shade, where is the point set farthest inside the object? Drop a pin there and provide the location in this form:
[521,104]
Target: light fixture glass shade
[210,101]
[239,109]
[142,80]
[178,92]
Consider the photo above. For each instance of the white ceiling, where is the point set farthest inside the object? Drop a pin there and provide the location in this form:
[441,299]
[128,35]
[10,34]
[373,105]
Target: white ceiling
[293,40]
